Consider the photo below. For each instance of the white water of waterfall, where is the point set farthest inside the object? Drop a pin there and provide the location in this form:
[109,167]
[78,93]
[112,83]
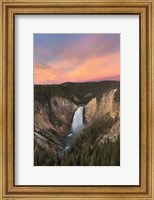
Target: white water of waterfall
[77,124]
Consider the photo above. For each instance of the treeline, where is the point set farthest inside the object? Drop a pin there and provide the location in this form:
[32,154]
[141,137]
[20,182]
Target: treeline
[79,93]
[87,151]
[43,93]
[107,154]
[44,158]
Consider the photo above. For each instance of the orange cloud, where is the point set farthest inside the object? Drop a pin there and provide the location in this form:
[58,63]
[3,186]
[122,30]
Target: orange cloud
[95,68]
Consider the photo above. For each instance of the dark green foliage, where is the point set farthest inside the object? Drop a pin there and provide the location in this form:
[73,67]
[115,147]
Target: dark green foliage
[44,158]
[86,151]
[107,154]
[79,93]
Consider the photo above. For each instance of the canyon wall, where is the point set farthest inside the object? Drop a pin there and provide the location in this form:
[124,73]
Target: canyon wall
[56,116]
[97,108]
[53,118]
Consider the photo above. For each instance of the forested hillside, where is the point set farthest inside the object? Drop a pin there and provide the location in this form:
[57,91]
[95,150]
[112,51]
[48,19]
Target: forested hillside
[99,141]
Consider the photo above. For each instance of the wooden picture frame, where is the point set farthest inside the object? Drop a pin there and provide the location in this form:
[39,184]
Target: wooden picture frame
[145,10]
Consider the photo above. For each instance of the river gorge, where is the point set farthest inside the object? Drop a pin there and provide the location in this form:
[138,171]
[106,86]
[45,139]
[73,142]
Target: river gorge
[71,117]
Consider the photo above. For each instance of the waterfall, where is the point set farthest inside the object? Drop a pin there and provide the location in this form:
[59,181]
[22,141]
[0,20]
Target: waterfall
[77,124]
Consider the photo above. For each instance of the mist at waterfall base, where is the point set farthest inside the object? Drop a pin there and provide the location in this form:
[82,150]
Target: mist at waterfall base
[76,128]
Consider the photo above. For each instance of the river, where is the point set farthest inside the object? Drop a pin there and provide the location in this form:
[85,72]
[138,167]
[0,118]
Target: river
[76,128]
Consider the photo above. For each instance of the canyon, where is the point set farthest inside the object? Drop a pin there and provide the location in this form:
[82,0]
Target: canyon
[55,107]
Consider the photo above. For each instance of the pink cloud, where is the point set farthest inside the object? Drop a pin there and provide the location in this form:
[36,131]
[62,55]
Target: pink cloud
[96,68]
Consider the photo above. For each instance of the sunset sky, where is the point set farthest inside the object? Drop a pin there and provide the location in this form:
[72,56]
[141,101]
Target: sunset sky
[60,58]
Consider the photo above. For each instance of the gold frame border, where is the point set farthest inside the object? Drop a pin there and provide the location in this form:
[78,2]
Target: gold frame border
[10,8]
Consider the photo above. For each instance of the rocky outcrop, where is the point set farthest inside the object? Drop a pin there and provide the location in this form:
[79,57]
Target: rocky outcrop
[97,108]
[47,141]
[51,121]
[56,116]
[63,109]
[112,134]
[54,107]
[41,117]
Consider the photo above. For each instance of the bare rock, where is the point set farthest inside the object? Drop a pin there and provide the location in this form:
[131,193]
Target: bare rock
[98,108]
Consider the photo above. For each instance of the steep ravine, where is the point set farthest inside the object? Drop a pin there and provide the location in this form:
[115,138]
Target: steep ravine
[53,119]
[57,115]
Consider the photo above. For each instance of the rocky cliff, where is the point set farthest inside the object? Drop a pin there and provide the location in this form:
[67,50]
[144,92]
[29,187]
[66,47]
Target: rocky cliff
[97,108]
[63,110]
[56,116]
[54,107]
